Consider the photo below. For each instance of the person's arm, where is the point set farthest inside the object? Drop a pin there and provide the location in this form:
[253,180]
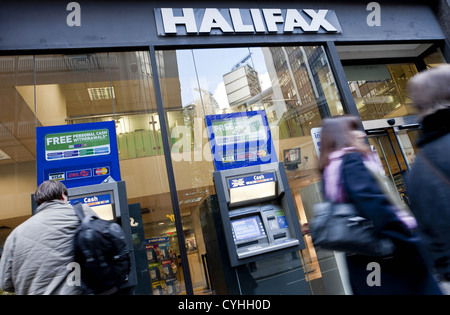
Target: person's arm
[6,277]
[362,190]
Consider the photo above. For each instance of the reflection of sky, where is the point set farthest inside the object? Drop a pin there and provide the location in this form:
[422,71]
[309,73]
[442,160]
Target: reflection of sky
[211,65]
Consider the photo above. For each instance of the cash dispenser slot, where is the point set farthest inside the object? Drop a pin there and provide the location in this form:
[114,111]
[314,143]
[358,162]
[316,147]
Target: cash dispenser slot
[278,236]
[246,244]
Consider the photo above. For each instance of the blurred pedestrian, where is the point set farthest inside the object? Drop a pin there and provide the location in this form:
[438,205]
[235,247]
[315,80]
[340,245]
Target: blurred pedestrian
[345,157]
[37,254]
[429,179]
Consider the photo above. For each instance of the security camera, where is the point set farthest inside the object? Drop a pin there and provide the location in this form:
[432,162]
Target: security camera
[391,122]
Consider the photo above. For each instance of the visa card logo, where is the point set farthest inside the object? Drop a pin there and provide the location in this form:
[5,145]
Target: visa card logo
[56,176]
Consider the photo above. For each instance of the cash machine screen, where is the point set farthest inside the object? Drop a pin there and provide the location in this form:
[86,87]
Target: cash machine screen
[244,189]
[101,204]
[247,228]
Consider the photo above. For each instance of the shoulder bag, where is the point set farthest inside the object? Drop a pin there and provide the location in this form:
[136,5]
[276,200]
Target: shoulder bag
[339,227]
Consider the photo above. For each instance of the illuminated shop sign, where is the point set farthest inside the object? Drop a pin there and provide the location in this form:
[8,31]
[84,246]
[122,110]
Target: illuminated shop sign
[213,21]
[240,139]
[78,154]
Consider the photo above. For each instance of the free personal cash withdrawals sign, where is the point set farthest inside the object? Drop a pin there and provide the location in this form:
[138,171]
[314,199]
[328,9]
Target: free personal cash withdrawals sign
[72,145]
[77,155]
[240,139]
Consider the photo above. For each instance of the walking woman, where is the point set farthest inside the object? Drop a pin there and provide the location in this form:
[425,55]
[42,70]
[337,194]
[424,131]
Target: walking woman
[344,161]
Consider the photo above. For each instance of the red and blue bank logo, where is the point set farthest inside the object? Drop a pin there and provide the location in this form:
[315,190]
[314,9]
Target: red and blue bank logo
[79,174]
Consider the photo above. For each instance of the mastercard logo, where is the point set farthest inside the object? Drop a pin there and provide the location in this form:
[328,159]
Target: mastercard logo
[101,171]
[262,153]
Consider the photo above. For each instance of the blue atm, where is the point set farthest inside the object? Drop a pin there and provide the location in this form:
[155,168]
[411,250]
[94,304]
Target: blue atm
[250,226]
[252,234]
[84,158]
[109,201]
[257,211]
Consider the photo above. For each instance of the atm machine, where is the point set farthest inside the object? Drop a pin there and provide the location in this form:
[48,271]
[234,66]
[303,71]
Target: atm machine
[109,201]
[252,233]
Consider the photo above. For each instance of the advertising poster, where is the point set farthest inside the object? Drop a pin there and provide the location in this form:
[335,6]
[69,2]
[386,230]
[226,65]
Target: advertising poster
[315,134]
[77,155]
[77,144]
[240,139]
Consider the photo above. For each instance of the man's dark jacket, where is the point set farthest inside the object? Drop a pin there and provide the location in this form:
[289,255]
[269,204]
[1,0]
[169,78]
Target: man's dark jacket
[429,194]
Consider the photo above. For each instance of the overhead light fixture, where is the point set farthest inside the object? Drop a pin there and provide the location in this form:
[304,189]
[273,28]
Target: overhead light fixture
[101,93]
[4,156]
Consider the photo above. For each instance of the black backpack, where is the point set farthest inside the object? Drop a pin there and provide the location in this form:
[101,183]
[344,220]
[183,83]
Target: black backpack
[103,254]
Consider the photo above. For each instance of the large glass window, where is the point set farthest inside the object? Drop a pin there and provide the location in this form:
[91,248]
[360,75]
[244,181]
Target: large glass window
[378,75]
[17,143]
[434,58]
[380,91]
[48,90]
[295,87]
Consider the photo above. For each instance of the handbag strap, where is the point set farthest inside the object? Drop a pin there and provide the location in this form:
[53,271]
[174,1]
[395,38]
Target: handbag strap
[434,168]
[388,189]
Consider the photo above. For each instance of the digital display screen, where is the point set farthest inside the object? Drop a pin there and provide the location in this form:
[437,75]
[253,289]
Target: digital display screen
[100,204]
[245,228]
[292,156]
[240,129]
[105,212]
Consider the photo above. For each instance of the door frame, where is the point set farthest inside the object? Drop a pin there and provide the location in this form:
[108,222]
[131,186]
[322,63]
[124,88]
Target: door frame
[397,124]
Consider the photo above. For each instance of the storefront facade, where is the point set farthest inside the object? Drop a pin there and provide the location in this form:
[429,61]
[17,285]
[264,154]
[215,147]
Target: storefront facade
[157,69]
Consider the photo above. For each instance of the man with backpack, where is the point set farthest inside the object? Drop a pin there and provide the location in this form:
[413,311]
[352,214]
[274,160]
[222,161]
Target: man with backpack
[39,255]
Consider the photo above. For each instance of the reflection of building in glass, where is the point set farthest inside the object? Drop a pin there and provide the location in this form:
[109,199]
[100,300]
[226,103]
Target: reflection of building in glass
[241,84]
[207,102]
[380,90]
[302,86]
